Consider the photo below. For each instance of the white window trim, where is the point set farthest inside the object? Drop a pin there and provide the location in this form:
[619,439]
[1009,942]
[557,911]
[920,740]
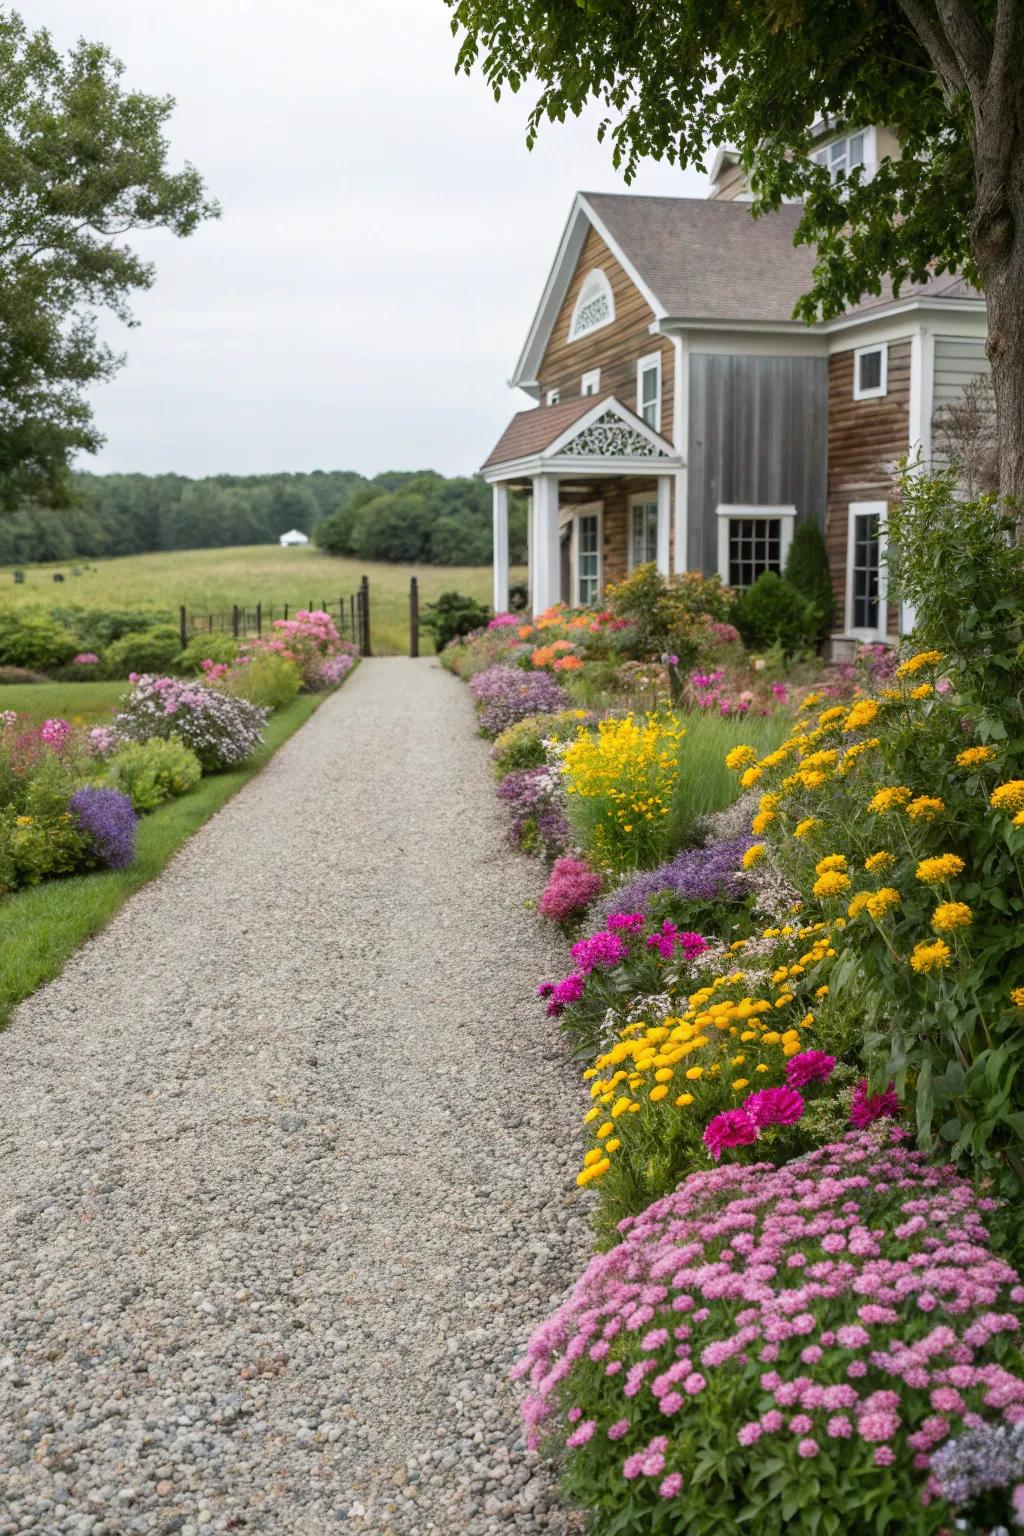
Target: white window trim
[652,360]
[726,511]
[641,499]
[595,272]
[588,509]
[552,397]
[879,509]
[870,161]
[882,387]
[590,383]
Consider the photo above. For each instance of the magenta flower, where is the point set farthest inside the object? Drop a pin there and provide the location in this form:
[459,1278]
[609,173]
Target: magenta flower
[601,949]
[774,1106]
[55,734]
[732,1128]
[866,1108]
[572,886]
[626,922]
[809,1067]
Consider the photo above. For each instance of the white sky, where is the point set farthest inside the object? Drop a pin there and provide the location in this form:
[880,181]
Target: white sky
[385,238]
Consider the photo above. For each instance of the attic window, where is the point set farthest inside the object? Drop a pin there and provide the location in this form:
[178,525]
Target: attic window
[595,305]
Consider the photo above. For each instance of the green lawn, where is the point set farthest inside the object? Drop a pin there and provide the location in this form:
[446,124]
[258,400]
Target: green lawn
[212,580]
[85,703]
[40,927]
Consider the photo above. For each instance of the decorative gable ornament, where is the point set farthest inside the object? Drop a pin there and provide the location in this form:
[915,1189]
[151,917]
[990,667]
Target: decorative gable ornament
[610,437]
[595,305]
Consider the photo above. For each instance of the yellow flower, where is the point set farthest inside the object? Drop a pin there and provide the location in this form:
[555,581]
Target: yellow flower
[605,1130]
[879,902]
[23,821]
[930,957]
[1018,820]
[694,1073]
[830,884]
[1017,997]
[922,691]
[879,861]
[943,867]
[914,664]
[860,715]
[750,777]
[683,1100]
[951,914]
[925,808]
[593,1172]
[889,798]
[740,757]
[769,802]
[973,757]
[858,904]
[613,1145]
[761,822]
[831,861]
[1008,796]
[828,715]
[812,699]
[803,828]
[658,1093]
[752,855]
[739,1083]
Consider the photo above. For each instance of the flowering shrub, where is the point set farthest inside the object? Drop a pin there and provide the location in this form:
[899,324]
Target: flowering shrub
[534,798]
[981,1474]
[893,816]
[309,640]
[267,678]
[524,745]
[505,621]
[620,781]
[704,884]
[572,886]
[505,694]
[150,772]
[787,1346]
[38,836]
[107,821]
[85,659]
[334,670]
[222,731]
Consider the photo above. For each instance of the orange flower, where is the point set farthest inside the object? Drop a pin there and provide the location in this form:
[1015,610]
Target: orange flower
[566,664]
[525,631]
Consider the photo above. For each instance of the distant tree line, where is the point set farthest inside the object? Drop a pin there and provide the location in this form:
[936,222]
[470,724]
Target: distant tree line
[411,516]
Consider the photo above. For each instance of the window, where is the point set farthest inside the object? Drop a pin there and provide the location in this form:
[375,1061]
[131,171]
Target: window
[751,541]
[588,558]
[866,609]
[591,382]
[643,531]
[552,397]
[595,305]
[648,390]
[843,155]
[870,370]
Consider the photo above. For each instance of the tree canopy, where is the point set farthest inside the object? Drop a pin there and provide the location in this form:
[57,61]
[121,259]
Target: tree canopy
[83,162]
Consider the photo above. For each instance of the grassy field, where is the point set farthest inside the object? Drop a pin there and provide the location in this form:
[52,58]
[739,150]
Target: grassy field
[81,703]
[211,580]
[40,927]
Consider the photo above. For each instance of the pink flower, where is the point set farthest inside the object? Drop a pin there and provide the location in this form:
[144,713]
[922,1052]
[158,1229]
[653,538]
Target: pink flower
[807,1449]
[809,1067]
[618,1429]
[581,1434]
[671,1485]
[732,1128]
[866,1108]
[774,1106]
[749,1434]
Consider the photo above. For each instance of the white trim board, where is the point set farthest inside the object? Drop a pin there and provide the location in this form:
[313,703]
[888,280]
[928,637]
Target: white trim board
[879,509]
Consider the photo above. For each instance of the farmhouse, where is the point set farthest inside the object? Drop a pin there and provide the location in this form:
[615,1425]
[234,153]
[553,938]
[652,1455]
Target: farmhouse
[683,416]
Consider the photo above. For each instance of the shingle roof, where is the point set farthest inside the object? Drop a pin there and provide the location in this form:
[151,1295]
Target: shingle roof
[533,430]
[949,286]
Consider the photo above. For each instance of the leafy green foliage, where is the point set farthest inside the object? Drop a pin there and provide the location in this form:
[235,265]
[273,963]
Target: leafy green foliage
[453,615]
[30,639]
[420,518]
[807,570]
[773,613]
[266,679]
[671,616]
[144,650]
[212,646]
[150,772]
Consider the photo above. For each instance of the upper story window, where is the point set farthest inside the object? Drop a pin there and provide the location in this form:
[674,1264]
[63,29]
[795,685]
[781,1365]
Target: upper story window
[595,305]
[843,155]
[591,382]
[648,390]
[870,372]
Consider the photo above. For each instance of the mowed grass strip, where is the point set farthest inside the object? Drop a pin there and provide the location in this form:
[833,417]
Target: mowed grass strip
[85,703]
[211,580]
[41,926]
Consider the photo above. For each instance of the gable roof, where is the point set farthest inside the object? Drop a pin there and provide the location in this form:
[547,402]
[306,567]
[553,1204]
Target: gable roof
[531,431]
[597,431]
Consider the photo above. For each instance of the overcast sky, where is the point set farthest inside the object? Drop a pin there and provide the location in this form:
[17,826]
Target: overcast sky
[385,238]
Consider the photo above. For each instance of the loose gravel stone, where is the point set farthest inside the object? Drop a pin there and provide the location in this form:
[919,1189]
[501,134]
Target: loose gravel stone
[288,1159]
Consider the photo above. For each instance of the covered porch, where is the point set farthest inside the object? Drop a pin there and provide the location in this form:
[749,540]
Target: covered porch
[604,494]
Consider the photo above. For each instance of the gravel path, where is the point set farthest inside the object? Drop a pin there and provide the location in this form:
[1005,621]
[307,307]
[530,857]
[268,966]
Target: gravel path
[287,1158]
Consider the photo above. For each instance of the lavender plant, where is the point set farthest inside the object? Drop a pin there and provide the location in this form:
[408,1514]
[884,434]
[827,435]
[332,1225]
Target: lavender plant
[107,820]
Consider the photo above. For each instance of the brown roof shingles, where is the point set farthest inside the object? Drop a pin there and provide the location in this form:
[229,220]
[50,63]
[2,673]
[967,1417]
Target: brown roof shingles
[532,431]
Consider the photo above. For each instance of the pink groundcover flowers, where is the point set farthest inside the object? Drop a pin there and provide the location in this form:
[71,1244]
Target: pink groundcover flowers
[844,1308]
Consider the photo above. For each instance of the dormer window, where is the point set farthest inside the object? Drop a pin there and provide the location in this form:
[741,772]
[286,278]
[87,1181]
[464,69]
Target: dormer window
[842,156]
[595,305]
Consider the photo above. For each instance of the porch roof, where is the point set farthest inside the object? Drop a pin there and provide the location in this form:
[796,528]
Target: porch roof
[588,435]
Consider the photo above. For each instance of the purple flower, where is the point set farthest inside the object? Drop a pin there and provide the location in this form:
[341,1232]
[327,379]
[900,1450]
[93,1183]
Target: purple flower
[809,1067]
[866,1108]
[568,990]
[107,819]
[774,1106]
[505,694]
[732,1128]
[707,874]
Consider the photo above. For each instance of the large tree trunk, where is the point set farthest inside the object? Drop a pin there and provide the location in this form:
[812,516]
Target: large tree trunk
[997,237]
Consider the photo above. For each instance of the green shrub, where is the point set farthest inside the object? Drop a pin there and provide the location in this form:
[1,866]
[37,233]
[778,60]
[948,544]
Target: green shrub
[807,569]
[267,679]
[453,615]
[214,646]
[150,772]
[144,650]
[522,745]
[670,616]
[772,612]
[96,628]
[30,639]
[38,837]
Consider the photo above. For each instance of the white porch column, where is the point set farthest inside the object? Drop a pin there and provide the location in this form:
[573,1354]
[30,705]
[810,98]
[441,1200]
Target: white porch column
[545,551]
[664,516]
[682,528]
[500,517]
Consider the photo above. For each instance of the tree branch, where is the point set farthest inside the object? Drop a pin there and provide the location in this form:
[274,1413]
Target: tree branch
[969,40]
[935,44]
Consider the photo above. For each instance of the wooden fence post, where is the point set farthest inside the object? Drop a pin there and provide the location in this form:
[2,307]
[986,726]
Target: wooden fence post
[259,618]
[183,626]
[234,620]
[414,616]
[364,593]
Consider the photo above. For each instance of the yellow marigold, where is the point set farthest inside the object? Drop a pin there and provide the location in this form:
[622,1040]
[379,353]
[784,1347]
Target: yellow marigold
[593,1172]
[862,713]
[761,822]
[858,904]
[750,777]
[889,798]
[658,1093]
[943,867]
[812,699]
[879,902]
[613,1145]
[1018,820]
[812,778]
[740,757]
[831,861]
[1009,796]
[769,802]
[683,1100]
[1017,997]
[930,957]
[803,828]
[949,915]
[925,808]
[972,757]
[879,861]
[828,715]
[915,663]
[752,855]
[830,884]
[922,691]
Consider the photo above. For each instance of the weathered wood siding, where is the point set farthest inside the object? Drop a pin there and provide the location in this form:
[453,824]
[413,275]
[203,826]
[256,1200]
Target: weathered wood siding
[616,348]
[866,439]
[757,436]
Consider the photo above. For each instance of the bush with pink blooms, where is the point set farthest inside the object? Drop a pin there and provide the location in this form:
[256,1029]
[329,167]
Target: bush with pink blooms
[572,886]
[782,1350]
[310,640]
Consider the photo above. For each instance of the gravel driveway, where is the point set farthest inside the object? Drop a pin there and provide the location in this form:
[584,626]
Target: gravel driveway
[287,1161]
